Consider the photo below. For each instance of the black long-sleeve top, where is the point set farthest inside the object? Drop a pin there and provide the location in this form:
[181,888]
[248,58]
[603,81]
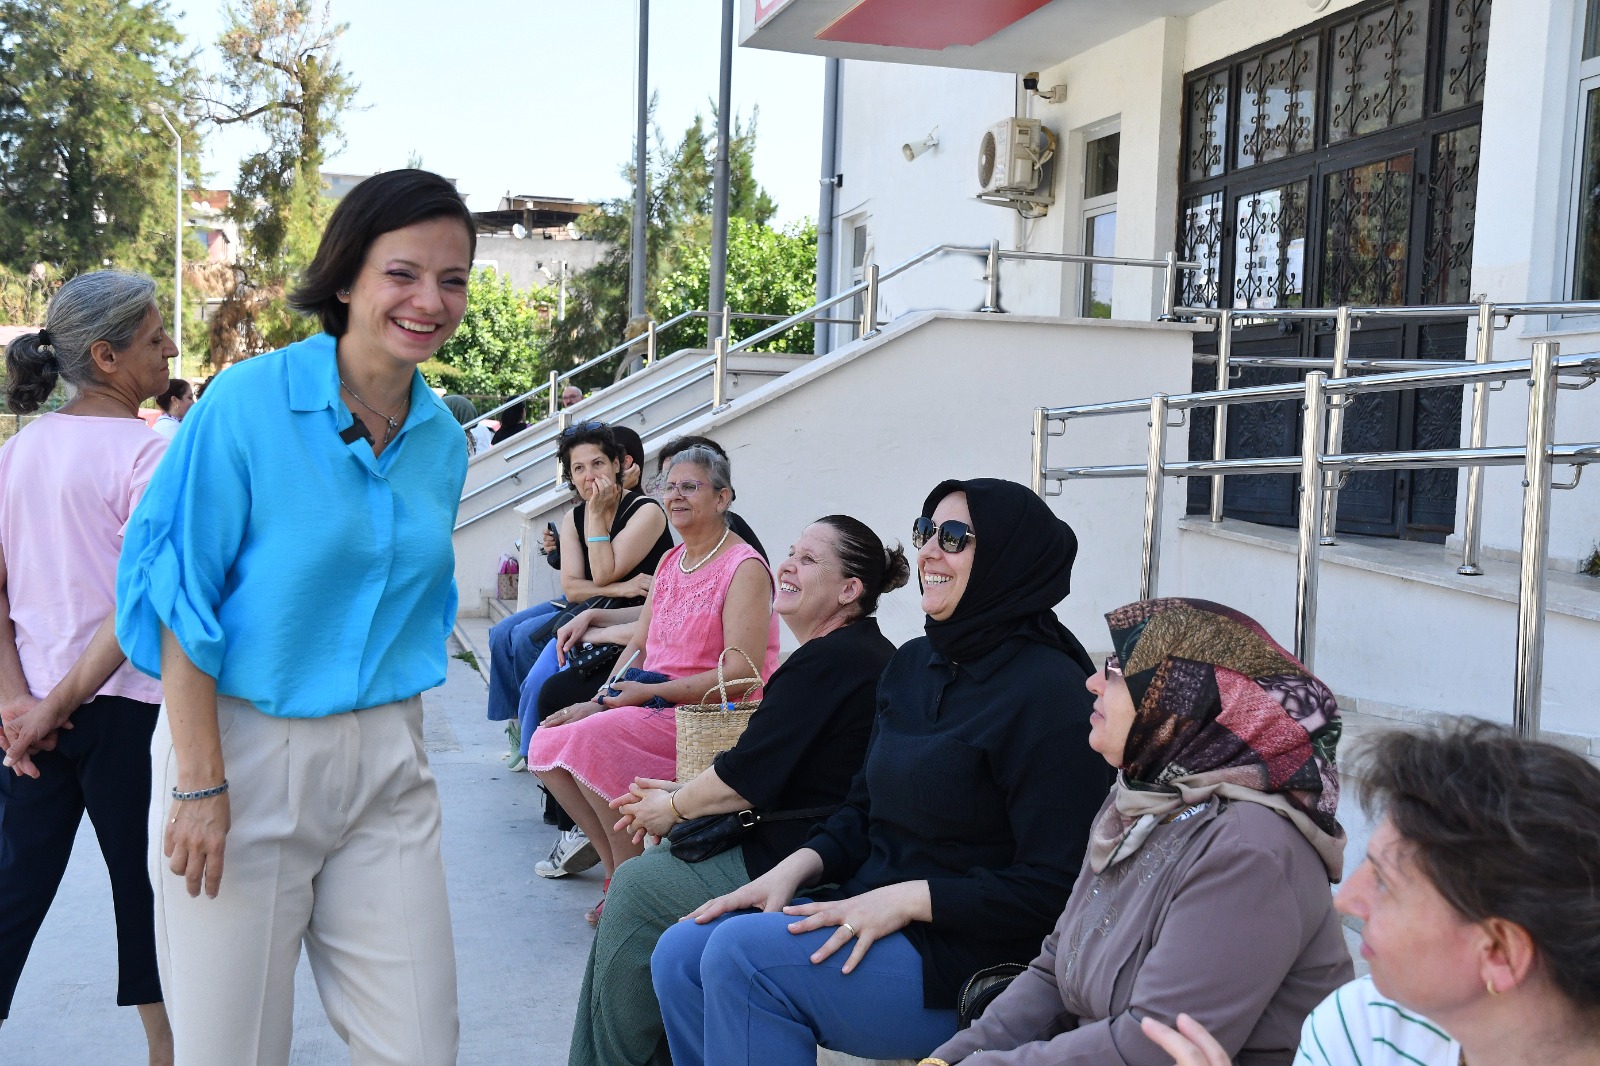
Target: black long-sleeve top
[805,743]
[979,779]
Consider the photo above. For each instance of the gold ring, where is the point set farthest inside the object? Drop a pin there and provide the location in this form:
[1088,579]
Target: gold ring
[847,925]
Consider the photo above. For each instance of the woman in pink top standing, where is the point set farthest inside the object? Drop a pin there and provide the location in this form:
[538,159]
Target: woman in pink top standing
[78,717]
[711,592]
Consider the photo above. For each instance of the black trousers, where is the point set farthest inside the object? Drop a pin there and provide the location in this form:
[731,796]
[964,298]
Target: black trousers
[101,765]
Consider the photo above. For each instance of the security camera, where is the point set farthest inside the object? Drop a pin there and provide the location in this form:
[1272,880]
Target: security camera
[1030,81]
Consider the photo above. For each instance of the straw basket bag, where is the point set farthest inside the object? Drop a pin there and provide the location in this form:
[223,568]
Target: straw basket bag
[706,729]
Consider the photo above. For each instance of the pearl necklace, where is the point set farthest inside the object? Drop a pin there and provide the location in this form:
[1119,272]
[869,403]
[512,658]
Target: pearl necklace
[707,559]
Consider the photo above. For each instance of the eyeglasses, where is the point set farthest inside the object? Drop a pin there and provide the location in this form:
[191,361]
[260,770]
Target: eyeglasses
[953,536]
[1113,667]
[582,427]
[682,488]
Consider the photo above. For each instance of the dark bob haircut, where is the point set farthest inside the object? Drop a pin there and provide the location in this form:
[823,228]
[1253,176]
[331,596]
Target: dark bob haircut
[381,204]
[597,433]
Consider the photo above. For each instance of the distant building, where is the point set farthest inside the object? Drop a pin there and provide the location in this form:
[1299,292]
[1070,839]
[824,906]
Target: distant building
[534,241]
[208,217]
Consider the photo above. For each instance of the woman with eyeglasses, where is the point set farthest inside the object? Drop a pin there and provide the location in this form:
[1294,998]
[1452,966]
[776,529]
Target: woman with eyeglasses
[712,592]
[960,838]
[1205,888]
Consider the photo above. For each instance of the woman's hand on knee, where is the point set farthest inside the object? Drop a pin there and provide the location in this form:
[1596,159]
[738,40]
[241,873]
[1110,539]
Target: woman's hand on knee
[196,833]
[576,713]
[864,919]
[1189,1045]
[765,893]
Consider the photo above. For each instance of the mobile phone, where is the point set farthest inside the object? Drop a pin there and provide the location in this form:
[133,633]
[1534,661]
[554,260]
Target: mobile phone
[551,526]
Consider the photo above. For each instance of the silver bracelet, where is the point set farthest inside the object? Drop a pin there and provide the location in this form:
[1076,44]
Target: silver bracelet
[203,793]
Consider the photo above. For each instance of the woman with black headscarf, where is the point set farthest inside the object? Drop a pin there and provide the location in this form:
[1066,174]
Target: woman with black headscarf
[961,836]
[1205,888]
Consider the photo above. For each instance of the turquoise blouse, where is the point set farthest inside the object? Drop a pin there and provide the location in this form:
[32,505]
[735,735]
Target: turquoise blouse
[302,573]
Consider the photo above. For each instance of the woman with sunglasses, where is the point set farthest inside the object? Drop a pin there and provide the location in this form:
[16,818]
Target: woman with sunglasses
[712,592]
[1206,884]
[960,838]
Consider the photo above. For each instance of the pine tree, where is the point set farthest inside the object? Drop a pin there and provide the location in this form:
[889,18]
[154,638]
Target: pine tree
[281,76]
[85,167]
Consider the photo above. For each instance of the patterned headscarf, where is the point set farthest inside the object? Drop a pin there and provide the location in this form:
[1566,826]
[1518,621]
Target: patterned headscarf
[1220,709]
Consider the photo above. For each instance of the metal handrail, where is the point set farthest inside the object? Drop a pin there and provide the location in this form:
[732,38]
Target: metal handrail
[641,404]
[1348,319]
[648,337]
[722,348]
[686,374]
[1320,463]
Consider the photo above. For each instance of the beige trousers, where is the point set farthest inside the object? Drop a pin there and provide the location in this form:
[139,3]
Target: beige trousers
[334,845]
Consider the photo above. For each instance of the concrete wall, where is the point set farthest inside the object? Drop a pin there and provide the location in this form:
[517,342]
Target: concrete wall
[520,260]
[868,430]
[1523,227]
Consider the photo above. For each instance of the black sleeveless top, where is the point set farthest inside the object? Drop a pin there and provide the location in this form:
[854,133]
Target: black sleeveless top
[631,502]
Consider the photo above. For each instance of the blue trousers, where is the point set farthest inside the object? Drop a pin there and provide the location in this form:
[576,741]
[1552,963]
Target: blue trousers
[101,765]
[743,989]
[511,656]
[543,669]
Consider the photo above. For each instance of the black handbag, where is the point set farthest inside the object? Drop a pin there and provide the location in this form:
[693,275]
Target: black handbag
[698,839]
[592,660]
[983,988]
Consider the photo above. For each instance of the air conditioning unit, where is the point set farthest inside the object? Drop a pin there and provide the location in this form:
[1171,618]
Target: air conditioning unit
[1012,155]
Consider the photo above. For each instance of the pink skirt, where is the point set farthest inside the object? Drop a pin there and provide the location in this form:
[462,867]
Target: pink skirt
[608,749]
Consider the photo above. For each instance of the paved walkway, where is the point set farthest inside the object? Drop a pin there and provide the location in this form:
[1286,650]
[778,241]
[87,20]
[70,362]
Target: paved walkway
[521,941]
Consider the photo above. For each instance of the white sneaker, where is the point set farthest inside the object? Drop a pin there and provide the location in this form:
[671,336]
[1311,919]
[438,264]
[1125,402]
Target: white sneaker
[573,853]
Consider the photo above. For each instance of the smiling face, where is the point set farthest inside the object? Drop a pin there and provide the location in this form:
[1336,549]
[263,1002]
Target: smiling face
[1112,717]
[695,510]
[410,293]
[1424,954]
[587,465]
[811,585]
[945,574]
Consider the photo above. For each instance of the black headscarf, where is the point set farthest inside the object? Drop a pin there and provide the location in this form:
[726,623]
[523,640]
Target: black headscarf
[1022,570]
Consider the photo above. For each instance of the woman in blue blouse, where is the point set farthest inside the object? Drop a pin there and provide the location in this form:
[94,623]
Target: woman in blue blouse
[288,575]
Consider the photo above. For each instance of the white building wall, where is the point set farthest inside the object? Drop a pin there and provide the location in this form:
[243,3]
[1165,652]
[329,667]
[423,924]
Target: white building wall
[908,206]
[1525,189]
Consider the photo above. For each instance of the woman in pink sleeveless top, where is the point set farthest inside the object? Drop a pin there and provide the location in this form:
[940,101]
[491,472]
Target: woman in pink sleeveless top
[711,592]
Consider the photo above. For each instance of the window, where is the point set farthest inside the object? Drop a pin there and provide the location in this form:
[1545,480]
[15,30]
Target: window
[1586,191]
[1339,165]
[1100,161]
[860,254]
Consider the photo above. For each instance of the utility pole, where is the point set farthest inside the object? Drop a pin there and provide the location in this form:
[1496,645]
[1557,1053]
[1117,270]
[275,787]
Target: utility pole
[718,297]
[641,177]
[177,244]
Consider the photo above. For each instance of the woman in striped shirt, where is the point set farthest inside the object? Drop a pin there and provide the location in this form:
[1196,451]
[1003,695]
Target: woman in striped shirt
[1480,916]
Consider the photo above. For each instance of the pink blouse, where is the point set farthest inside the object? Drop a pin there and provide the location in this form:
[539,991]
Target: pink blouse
[686,618]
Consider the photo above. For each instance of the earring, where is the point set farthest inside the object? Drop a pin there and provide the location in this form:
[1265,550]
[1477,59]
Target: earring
[344,292]
[1489,984]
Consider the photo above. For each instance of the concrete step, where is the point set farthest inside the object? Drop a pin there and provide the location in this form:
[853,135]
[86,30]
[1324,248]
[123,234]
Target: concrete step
[499,609]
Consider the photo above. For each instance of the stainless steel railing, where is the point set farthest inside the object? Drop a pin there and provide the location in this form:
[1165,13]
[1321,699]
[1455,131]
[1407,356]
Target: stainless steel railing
[1347,320]
[716,365]
[1320,463]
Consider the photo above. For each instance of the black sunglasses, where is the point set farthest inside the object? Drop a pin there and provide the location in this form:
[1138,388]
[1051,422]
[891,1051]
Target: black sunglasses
[1113,667]
[953,536]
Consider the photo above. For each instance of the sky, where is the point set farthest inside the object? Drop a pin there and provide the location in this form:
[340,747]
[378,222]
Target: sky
[536,96]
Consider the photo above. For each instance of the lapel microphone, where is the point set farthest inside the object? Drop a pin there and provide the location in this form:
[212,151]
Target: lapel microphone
[357,431]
